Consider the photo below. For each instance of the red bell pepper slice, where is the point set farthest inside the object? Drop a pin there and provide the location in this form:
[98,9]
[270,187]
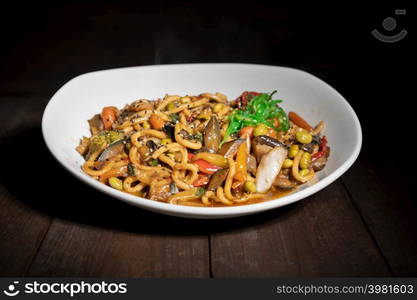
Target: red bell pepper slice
[206,167]
[323,149]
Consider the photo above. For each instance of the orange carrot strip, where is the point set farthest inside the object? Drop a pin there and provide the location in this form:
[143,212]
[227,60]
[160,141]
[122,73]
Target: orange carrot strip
[297,120]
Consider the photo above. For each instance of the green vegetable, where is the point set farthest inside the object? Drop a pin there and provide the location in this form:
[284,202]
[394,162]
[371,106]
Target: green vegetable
[197,137]
[103,139]
[131,170]
[287,163]
[171,106]
[109,136]
[116,183]
[305,160]
[304,173]
[146,125]
[200,192]
[217,107]
[303,137]
[166,141]
[260,109]
[293,151]
[154,162]
[249,187]
[174,118]
[98,141]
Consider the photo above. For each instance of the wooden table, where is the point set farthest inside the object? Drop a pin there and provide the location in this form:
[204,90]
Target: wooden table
[364,224]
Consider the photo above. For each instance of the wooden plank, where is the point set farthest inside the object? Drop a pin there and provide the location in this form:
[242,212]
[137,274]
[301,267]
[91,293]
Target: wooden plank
[74,39]
[72,249]
[384,198]
[21,233]
[320,236]
[22,227]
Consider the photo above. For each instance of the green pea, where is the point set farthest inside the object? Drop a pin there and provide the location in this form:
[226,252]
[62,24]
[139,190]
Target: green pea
[293,151]
[304,173]
[217,107]
[303,137]
[116,183]
[261,129]
[146,125]
[305,160]
[249,187]
[166,141]
[171,106]
[287,163]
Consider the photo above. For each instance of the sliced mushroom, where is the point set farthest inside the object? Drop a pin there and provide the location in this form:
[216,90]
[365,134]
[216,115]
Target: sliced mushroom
[262,144]
[283,182]
[308,147]
[267,140]
[319,163]
[212,135]
[217,179]
[269,168]
[173,189]
[82,148]
[260,150]
[124,115]
[151,145]
[96,125]
[141,104]
[159,190]
[169,129]
[112,150]
[252,164]
[230,148]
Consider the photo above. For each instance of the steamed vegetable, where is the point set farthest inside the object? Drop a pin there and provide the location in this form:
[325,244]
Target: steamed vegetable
[300,122]
[112,150]
[212,137]
[215,159]
[229,149]
[156,122]
[260,110]
[116,183]
[217,179]
[269,168]
[249,187]
[242,163]
[206,167]
[108,116]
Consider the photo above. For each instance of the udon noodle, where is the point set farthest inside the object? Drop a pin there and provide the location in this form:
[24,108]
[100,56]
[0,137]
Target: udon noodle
[203,150]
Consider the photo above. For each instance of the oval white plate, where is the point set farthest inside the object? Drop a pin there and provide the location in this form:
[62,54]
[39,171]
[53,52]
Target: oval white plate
[65,117]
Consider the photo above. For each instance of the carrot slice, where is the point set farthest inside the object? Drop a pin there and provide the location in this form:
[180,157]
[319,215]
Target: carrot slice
[246,131]
[241,163]
[108,116]
[156,122]
[300,122]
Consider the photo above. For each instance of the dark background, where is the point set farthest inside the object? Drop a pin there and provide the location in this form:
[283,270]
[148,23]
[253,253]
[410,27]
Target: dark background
[48,218]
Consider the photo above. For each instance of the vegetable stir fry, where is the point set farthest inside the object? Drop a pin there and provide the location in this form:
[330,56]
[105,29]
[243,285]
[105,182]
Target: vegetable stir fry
[204,150]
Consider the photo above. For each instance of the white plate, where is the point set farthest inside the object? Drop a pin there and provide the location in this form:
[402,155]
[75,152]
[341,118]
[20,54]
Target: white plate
[65,118]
